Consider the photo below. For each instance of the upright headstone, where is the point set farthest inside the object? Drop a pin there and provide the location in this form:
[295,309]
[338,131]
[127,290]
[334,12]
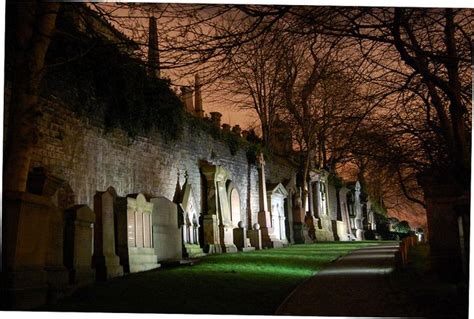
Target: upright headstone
[298,212]
[25,223]
[289,221]
[190,228]
[264,217]
[134,234]
[241,240]
[42,182]
[276,196]
[218,230]
[324,230]
[166,230]
[78,244]
[255,236]
[105,260]
[344,226]
[358,212]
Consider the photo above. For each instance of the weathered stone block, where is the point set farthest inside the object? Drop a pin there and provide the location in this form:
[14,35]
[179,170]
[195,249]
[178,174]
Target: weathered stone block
[166,231]
[255,236]
[105,260]
[25,243]
[78,245]
[134,234]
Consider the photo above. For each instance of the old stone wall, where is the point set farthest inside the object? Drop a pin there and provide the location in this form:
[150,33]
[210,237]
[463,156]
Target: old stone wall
[91,160]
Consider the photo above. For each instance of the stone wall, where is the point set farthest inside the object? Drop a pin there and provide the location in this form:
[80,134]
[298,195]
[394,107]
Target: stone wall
[91,160]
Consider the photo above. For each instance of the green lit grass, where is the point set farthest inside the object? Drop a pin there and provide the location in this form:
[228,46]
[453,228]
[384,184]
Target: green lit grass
[243,283]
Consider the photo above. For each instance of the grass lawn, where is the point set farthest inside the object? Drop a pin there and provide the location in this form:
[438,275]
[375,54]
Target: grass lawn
[242,283]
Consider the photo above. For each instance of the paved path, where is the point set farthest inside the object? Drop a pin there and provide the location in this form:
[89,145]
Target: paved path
[357,284]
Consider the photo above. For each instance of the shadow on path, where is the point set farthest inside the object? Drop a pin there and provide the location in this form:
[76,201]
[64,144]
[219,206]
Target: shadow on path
[354,285]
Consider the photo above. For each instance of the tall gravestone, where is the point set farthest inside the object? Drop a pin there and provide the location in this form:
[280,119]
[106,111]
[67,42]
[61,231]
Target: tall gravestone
[166,230]
[324,229]
[358,212]
[134,233]
[190,228]
[218,231]
[105,260]
[269,240]
[344,227]
[78,244]
[25,225]
[276,197]
[289,206]
[241,239]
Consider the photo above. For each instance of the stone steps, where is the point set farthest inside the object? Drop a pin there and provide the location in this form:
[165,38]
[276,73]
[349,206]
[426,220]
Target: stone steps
[141,259]
[194,251]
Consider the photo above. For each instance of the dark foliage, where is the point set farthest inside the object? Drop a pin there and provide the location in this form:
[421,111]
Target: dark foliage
[100,80]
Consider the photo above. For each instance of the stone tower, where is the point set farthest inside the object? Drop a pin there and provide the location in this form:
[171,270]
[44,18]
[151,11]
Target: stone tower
[153,53]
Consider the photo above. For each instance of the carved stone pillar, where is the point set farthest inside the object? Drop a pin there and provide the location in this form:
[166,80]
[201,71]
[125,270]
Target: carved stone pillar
[218,228]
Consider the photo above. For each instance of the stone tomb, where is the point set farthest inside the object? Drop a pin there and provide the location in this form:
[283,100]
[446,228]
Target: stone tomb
[241,240]
[166,230]
[105,261]
[78,244]
[190,229]
[25,223]
[358,212]
[218,227]
[276,197]
[319,183]
[269,240]
[134,233]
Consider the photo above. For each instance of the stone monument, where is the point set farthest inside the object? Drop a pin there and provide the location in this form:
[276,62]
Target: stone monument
[78,244]
[166,231]
[276,196]
[134,233]
[318,183]
[269,240]
[218,230]
[190,228]
[105,260]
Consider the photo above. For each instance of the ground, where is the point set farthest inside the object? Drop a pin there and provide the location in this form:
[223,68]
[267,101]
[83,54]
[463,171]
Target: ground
[261,282]
[243,283]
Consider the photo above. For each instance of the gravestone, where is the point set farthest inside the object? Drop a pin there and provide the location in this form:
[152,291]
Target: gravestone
[358,212]
[25,225]
[218,230]
[291,188]
[255,236]
[276,197]
[78,244]
[190,228]
[134,233]
[264,218]
[166,231]
[241,240]
[105,260]
[319,182]
[344,226]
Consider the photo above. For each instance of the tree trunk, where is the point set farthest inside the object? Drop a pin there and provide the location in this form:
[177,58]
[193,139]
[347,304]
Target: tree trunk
[34,28]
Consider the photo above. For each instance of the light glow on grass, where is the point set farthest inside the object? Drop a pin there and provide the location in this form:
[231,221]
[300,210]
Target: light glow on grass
[357,271]
[240,283]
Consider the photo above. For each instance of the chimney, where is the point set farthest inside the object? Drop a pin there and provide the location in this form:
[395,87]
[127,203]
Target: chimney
[187,98]
[216,119]
[237,130]
[226,127]
[197,96]
[153,53]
